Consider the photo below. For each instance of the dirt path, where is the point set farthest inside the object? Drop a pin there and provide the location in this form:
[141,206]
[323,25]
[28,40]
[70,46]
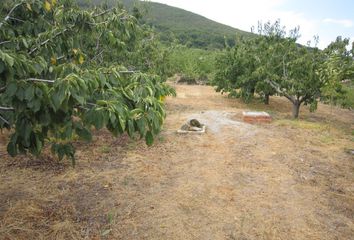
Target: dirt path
[284,180]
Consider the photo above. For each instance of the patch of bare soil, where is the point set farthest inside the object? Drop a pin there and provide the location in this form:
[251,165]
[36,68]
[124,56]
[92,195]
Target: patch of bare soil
[284,180]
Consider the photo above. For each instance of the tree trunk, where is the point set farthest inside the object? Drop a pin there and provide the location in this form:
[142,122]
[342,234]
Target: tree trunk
[266,99]
[296,109]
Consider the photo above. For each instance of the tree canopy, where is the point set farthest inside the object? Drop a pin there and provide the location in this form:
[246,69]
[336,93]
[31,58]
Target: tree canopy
[65,70]
[273,63]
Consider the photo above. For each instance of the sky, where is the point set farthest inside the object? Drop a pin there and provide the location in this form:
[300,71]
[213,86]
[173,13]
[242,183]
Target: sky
[326,18]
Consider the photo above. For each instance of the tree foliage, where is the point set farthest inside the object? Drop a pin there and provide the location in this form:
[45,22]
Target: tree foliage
[273,63]
[196,65]
[338,66]
[64,70]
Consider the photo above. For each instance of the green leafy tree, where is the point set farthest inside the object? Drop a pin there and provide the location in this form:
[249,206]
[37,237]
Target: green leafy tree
[235,71]
[275,63]
[309,74]
[244,69]
[192,64]
[299,82]
[337,66]
[62,72]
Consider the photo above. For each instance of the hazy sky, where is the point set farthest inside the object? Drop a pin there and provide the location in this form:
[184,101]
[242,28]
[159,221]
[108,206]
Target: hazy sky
[327,18]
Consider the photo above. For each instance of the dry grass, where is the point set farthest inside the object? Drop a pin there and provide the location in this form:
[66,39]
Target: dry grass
[284,180]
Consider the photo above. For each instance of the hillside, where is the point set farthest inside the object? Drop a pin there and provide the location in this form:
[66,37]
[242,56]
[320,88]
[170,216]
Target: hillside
[189,28]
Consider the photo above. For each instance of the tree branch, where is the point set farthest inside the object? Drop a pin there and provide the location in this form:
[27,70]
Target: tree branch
[83,108]
[46,41]
[4,120]
[279,90]
[95,24]
[9,14]
[303,99]
[98,41]
[129,72]
[65,30]
[2,89]
[6,109]
[17,19]
[4,42]
[124,18]
[86,106]
[96,56]
[40,80]
[61,57]
[284,69]
[103,13]
[109,10]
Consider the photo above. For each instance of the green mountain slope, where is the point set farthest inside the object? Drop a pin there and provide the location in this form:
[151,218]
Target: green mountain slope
[189,28]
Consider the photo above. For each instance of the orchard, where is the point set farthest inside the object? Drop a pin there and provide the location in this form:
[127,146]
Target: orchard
[273,63]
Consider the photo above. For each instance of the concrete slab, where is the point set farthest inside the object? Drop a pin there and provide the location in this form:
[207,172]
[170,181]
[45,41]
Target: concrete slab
[203,129]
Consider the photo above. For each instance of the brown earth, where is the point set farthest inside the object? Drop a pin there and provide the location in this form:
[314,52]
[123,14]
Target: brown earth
[283,180]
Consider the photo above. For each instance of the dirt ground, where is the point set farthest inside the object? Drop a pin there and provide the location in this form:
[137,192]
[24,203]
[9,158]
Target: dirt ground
[283,180]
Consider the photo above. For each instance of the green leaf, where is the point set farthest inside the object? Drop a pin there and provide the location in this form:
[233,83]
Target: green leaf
[39,145]
[96,118]
[11,148]
[62,150]
[44,118]
[35,105]
[9,60]
[29,93]
[141,126]
[112,118]
[20,94]
[24,42]
[56,101]
[25,133]
[84,134]
[36,144]
[121,122]
[149,138]
[39,92]
[2,66]
[136,113]
[11,89]
[79,98]
[58,98]
[38,68]
[131,128]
